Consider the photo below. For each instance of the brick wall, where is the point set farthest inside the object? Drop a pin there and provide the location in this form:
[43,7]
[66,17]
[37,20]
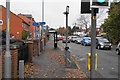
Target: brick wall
[14,59]
[35,48]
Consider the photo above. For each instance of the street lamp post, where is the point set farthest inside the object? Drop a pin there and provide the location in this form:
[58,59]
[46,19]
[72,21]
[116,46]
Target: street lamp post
[66,47]
[7,57]
[42,25]
[66,13]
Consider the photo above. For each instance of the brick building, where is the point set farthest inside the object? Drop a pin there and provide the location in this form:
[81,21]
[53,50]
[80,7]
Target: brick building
[29,20]
[18,23]
[15,23]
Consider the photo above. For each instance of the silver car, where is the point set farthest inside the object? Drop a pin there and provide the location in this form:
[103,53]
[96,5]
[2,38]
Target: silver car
[78,40]
[118,49]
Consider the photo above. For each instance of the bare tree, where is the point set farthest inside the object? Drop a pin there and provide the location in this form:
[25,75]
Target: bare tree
[84,21]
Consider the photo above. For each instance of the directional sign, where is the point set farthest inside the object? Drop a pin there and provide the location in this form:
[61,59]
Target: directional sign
[35,24]
[42,23]
[35,31]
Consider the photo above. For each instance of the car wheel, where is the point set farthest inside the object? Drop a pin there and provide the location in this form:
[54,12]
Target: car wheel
[76,42]
[109,48]
[117,52]
[98,47]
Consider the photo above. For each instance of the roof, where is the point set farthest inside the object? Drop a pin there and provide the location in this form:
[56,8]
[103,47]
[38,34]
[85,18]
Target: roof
[16,15]
[28,16]
[27,20]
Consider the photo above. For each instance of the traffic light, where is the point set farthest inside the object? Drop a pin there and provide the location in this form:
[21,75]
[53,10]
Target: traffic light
[85,7]
[100,3]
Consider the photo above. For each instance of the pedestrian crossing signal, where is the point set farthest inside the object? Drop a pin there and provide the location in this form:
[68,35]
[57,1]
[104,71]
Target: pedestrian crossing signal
[100,2]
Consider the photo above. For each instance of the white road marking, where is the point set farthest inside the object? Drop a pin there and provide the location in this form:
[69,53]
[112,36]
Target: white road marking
[82,59]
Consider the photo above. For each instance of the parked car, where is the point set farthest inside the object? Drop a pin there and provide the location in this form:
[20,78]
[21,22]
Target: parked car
[78,40]
[86,41]
[74,38]
[118,49]
[70,37]
[103,43]
[64,40]
[61,37]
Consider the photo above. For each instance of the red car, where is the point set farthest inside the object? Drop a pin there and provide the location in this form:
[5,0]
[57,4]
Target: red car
[61,38]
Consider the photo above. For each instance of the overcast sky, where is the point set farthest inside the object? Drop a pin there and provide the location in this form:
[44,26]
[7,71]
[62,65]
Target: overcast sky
[54,9]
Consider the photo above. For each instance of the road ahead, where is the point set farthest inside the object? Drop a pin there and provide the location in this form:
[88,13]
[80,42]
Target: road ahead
[107,59]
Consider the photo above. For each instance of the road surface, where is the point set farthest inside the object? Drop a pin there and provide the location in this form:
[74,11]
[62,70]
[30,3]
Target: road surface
[107,59]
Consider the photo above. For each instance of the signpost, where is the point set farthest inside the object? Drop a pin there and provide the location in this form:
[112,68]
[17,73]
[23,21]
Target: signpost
[40,32]
[37,24]
[42,23]
[36,31]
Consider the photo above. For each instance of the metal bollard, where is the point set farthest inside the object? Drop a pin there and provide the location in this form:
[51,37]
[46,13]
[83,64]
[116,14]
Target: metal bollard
[89,58]
[89,63]
[21,69]
[96,62]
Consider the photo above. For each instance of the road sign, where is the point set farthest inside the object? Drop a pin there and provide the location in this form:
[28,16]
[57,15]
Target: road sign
[35,24]
[85,6]
[100,3]
[1,22]
[42,23]
[35,31]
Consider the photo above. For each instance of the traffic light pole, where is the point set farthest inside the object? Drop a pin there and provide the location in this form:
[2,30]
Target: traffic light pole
[7,57]
[93,42]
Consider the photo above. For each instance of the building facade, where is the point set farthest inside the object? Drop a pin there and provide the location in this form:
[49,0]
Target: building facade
[15,23]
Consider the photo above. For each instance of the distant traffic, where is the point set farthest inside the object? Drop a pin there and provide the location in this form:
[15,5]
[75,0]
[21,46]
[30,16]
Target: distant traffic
[101,43]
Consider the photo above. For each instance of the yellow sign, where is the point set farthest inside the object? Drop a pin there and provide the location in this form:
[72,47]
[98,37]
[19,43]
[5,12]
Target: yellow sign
[94,17]
[8,25]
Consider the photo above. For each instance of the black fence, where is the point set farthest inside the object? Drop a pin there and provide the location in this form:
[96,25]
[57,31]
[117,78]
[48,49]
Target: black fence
[23,53]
